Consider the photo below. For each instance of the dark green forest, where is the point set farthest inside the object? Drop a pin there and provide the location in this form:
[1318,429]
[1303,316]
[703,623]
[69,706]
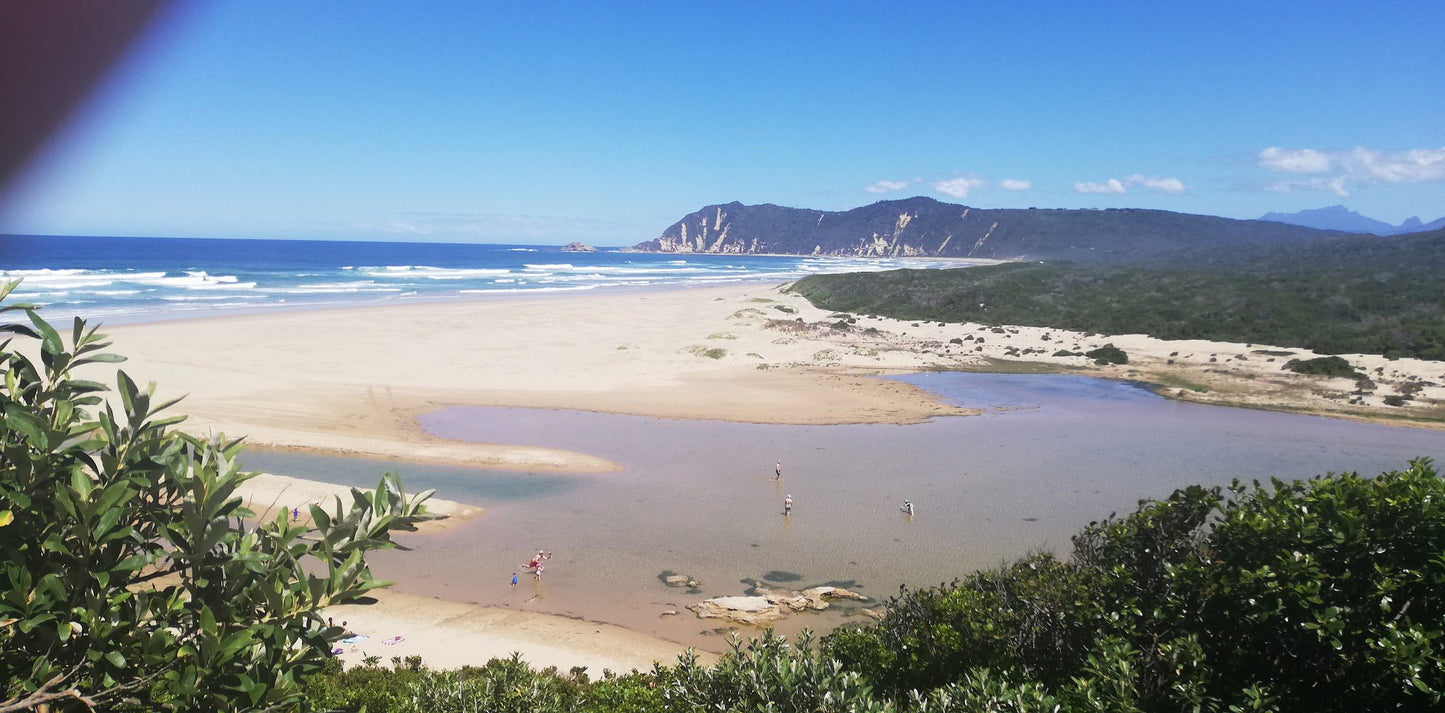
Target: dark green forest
[1356,295]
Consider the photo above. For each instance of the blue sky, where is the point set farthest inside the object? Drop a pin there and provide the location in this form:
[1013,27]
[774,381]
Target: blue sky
[605,122]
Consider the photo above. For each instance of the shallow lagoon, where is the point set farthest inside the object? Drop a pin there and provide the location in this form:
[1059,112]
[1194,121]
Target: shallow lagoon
[1050,454]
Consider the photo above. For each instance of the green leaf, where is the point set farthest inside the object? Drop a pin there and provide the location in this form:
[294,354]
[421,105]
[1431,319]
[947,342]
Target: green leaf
[50,342]
[100,359]
[18,418]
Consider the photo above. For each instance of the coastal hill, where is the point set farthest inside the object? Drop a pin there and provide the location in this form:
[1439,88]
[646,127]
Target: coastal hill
[919,227]
[1338,217]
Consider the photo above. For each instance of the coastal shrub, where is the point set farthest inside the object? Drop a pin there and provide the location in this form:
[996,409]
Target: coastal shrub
[1321,366]
[768,673]
[1317,595]
[129,579]
[1382,297]
[707,352]
[1108,354]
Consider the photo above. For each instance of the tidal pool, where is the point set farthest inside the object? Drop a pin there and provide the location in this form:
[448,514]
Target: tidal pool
[1050,454]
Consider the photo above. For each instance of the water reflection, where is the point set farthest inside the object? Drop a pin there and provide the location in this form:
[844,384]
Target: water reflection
[696,497]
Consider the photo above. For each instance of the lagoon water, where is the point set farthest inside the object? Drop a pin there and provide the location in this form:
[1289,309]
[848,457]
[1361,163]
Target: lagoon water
[1050,454]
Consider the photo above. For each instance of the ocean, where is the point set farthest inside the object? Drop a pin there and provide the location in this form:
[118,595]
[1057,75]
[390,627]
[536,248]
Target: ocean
[143,279]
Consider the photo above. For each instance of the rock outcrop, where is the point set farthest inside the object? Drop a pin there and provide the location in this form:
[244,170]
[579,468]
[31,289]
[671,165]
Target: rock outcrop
[917,227]
[578,248]
[766,605]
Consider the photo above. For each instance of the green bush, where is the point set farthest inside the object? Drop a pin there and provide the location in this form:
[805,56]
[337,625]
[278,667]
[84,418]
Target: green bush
[1321,366]
[1108,354]
[1319,595]
[129,579]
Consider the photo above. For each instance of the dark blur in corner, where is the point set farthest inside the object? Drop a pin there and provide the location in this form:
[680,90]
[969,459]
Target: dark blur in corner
[52,54]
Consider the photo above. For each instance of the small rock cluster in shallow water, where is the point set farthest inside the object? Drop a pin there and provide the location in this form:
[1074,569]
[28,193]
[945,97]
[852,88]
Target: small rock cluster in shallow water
[765,605]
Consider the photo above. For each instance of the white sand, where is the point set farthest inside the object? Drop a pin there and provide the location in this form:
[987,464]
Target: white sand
[268,494]
[352,380]
[449,635]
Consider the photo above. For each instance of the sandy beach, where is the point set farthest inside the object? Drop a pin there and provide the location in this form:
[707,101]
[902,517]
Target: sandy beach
[354,381]
[449,635]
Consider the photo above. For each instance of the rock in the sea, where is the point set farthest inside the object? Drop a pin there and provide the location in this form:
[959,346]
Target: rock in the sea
[765,604]
[578,248]
[676,580]
[743,610]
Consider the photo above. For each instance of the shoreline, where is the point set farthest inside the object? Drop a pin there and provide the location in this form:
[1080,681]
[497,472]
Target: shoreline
[769,372]
[353,381]
[450,635]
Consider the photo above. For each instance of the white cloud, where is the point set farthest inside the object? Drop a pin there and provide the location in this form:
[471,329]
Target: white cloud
[1413,166]
[1282,160]
[1155,183]
[958,187]
[885,186]
[1111,186]
[1359,165]
[1014,184]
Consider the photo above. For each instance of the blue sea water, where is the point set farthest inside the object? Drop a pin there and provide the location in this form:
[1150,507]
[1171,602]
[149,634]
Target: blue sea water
[128,279]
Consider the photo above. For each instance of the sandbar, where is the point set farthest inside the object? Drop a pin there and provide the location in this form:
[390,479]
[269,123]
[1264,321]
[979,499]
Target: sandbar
[448,635]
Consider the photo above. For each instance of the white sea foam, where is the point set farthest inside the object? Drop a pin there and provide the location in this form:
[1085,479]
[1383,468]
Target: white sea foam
[575,288]
[391,272]
[334,288]
[35,280]
[192,280]
[209,298]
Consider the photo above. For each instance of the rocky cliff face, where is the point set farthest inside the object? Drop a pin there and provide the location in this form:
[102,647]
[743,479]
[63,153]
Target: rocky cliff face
[918,227]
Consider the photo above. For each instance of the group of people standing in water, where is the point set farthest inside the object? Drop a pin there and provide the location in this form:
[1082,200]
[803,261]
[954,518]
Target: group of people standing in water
[538,561]
[906,507]
[535,566]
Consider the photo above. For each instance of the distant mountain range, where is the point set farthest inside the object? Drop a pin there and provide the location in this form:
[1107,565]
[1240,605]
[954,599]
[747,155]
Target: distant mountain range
[1338,217]
[922,226]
